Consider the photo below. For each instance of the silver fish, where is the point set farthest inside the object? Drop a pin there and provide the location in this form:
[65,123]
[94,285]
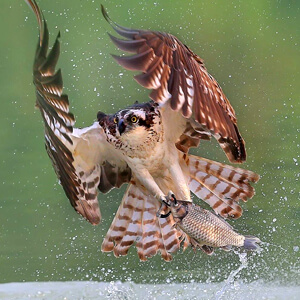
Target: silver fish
[206,230]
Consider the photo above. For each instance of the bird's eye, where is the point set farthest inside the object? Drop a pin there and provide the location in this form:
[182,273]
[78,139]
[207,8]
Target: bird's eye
[115,120]
[133,119]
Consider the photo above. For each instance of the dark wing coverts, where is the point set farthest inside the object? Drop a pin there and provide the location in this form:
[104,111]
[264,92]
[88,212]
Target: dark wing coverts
[178,76]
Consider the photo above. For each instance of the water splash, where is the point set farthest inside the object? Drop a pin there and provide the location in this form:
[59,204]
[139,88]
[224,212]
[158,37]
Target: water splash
[79,290]
[267,244]
[230,280]
[115,291]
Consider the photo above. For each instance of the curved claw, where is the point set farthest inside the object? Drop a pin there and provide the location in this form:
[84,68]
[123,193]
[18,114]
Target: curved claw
[166,203]
[171,197]
[163,205]
[175,200]
[164,215]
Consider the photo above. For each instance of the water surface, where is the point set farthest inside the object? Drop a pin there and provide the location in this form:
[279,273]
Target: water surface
[81,290]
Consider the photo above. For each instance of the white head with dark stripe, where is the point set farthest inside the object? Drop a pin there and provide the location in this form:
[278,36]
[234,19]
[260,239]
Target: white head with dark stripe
[133,126]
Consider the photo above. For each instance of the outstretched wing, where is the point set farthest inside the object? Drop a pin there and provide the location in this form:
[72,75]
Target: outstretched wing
[82,158]
[177,76]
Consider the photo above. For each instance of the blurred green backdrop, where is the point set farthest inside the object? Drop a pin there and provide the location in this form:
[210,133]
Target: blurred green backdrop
[252,49]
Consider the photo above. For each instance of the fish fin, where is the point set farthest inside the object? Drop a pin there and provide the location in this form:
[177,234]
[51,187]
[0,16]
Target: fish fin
[250,242]
[207,249]
[186,240]
[219,185]
[194,244]
[227,248]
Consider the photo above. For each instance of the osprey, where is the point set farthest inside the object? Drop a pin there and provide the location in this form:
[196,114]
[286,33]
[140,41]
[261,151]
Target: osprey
[144,145]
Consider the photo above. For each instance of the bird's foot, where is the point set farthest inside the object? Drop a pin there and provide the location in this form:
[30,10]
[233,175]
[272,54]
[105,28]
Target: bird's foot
[163,207]
[165,203]
[160,215]
[169,199]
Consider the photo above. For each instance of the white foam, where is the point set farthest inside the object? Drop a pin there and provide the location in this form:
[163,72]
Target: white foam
[128,290]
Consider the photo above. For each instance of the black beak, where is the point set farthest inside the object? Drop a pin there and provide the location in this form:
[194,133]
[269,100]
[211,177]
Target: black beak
[121,126]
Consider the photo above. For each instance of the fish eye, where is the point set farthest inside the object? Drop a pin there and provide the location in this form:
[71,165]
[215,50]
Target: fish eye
[115,120]
[133,119]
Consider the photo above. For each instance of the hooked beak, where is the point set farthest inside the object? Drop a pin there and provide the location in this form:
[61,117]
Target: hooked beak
[121,126]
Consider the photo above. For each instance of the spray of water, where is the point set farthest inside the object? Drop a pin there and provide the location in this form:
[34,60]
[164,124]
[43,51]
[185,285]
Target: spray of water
[230,280]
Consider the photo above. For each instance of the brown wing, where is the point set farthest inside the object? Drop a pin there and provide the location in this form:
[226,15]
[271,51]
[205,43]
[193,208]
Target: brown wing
[178,76]
[82,158]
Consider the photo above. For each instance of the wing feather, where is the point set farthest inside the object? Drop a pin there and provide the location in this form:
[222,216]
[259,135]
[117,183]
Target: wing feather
[82,158]
[178,76]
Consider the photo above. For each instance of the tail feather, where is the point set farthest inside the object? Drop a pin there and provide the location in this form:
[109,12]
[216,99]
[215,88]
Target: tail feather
[225,171]
[225,207]
[123,237]
[151,238]
[168,232]
[164,245]
[250,242]
[125,227]
[136,221]
[220,185]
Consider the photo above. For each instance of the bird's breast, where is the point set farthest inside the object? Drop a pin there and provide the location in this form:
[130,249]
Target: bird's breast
[150,157]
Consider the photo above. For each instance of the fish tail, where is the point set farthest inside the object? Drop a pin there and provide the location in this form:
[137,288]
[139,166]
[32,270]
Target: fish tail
[250,242]
[220,185]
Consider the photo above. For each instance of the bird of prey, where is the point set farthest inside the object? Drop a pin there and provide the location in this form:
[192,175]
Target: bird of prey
[144,145]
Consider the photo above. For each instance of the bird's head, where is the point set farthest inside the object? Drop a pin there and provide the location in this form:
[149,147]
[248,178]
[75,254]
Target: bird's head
[132,124]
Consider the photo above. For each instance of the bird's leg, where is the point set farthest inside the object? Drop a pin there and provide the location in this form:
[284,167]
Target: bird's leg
[165,204]
[180,179]
[148,182]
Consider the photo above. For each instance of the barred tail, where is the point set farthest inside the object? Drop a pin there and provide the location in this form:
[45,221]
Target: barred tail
[250,242]
[136,222]
[220,185]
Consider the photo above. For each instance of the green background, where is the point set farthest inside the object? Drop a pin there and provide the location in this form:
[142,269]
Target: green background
[252,49]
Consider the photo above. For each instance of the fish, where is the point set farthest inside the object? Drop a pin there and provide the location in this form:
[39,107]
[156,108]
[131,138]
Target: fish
[206,230]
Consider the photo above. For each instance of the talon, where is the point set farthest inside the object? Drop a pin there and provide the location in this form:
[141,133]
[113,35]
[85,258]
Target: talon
[165,200]
[163,206]
[166,203]
[164,215]
[175,200]
[171,197]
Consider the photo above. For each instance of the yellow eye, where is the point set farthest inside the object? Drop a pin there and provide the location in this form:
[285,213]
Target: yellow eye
[133,119]
[115,120]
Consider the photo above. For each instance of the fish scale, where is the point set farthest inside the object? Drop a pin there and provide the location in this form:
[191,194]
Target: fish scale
[208,229]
